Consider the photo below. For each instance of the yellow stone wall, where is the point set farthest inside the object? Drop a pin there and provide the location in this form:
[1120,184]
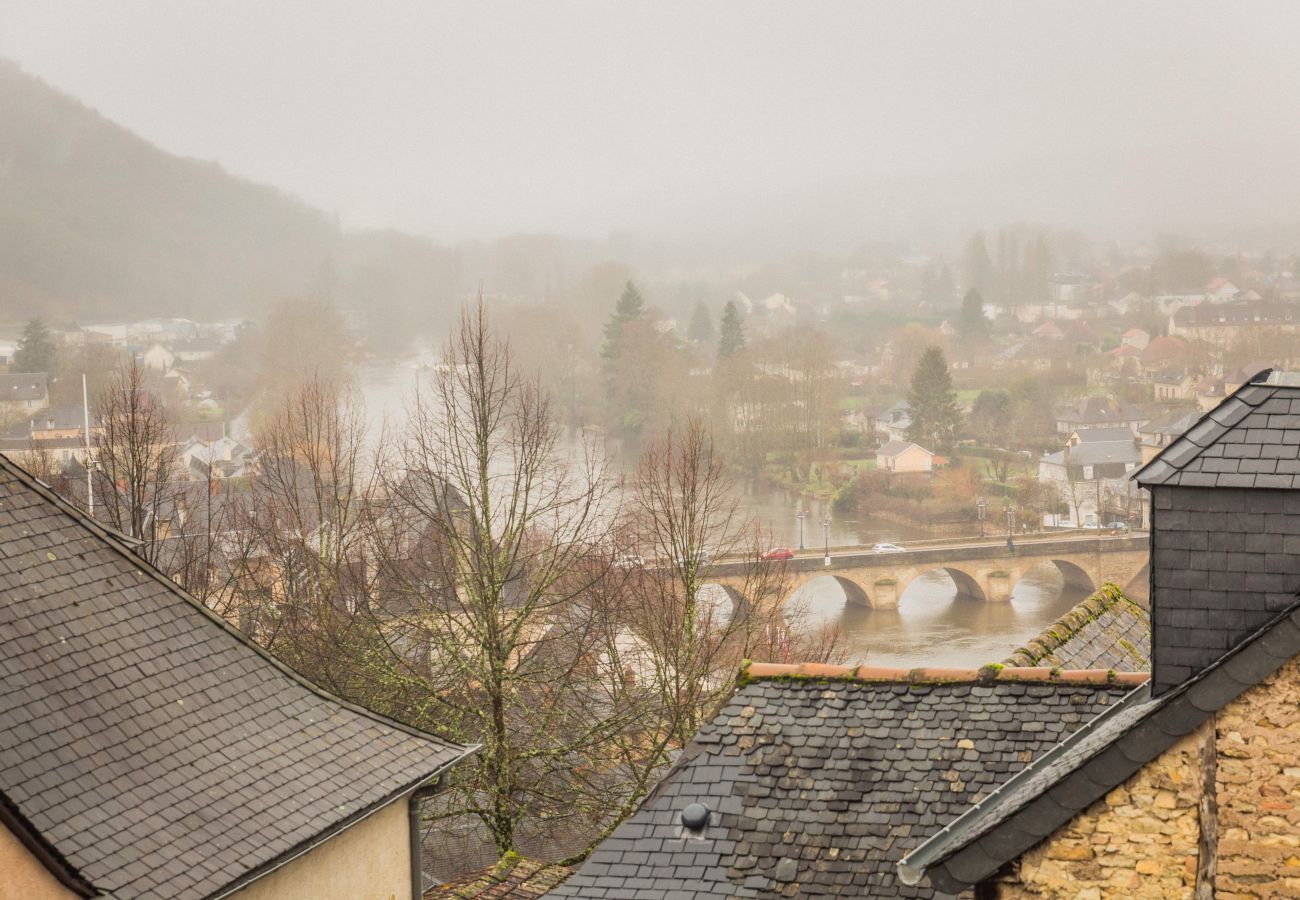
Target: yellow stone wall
[22,876]
[1258,788]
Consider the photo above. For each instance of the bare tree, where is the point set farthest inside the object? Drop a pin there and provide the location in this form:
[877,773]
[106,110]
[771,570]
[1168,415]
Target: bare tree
[486,539]
[301,574]
[134,460]
[672,640]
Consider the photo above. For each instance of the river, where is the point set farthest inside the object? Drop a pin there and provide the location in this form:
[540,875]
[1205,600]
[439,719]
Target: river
[929,627]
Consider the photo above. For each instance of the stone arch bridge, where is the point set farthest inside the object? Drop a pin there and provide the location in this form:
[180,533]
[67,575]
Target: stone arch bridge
[982,572]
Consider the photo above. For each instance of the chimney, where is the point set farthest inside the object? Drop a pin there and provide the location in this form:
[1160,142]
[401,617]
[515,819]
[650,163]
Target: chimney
[1225,527]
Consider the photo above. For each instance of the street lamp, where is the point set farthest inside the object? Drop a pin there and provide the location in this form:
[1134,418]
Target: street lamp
[1011,515]
[826,535]
[981,507]
[801,515]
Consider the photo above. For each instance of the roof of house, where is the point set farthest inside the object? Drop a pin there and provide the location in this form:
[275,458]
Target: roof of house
[1175,422]
[156,749]
[23,387]
[1102,435]
[512,878]
[818,778]
[1083,768]
[895,448]
[1240,443]
[1100,409]
[1105,631]
[1099,453]
[1241,313]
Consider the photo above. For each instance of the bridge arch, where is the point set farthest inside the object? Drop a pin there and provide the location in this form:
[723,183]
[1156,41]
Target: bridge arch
[716,603]
[1074,575]
[855,595]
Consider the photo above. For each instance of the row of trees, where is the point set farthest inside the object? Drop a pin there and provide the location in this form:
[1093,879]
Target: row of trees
[472,575]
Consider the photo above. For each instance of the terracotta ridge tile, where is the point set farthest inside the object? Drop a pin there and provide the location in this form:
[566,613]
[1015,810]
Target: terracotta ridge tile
[940,675]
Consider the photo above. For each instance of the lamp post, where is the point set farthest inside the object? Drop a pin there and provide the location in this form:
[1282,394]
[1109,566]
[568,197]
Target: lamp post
[1011,515]
[826,536]
[801,515]
[981,508]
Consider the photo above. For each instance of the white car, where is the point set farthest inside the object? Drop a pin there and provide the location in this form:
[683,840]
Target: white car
[629,561]
[887,548]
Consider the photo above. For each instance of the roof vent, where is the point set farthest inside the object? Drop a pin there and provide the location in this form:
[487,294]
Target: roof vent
[695,816]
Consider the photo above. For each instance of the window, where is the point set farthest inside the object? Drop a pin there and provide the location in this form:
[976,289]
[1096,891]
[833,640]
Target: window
[1087,473]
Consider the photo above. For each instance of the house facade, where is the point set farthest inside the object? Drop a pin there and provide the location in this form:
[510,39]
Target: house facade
[904,456]
[152,751]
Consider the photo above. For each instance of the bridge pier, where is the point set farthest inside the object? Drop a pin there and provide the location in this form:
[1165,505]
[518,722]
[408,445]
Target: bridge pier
[997,587]
[884,594]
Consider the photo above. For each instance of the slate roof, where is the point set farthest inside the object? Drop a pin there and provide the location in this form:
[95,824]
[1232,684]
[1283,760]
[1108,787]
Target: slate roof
[513,878]
[1105,631]
[23,387]
[1098,453]
[1240,443]
[1120,434]
[818,778]
[1058,785]
[159,752]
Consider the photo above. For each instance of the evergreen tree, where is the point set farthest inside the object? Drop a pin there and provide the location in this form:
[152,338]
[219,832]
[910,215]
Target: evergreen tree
[36,351]
[630,308]
[989,417]
[935,416]
[977,264]
[731,333]
[973,324]
[702,330]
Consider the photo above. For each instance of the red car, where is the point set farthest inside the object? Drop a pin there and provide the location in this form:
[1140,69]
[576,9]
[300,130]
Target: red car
[779,553]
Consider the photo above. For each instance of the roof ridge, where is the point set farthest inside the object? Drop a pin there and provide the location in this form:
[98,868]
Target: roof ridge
[989,674]
[1069,624]
[1211,426]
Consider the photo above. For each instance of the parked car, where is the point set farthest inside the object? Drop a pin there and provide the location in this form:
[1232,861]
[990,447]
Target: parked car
[701,558]
[1118,526]
[887,548]
[629,561]
[779,553]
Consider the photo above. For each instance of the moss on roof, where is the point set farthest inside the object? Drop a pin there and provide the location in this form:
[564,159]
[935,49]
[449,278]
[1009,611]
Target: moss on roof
[1106,630]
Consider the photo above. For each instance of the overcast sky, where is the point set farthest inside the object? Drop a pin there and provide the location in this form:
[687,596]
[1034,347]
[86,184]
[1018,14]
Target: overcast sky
[477,119]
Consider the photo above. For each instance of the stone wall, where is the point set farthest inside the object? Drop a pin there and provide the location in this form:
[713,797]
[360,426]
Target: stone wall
[1258,786]
[1140,841]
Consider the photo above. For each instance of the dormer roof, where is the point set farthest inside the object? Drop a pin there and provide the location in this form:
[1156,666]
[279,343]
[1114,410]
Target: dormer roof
[1247,441]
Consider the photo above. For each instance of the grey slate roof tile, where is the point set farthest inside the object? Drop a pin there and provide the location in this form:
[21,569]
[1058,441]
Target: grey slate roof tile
[1105,631]
[818,787]
[160,753]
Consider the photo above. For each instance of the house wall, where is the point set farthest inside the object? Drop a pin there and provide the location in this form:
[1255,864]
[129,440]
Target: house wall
[22,877]
[1258,790]
[369,861]
[1224,560]
[1145,839]
[1139,841]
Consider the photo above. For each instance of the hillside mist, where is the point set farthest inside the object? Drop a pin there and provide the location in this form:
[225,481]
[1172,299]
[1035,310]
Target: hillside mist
[96,223]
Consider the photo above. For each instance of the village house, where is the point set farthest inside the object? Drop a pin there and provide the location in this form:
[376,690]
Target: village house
[1098,412]
[59,431]
[1175,383]
[893,423]
[1221,325]
[23,393]
[1091,474]
[904,456]
[151,750]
